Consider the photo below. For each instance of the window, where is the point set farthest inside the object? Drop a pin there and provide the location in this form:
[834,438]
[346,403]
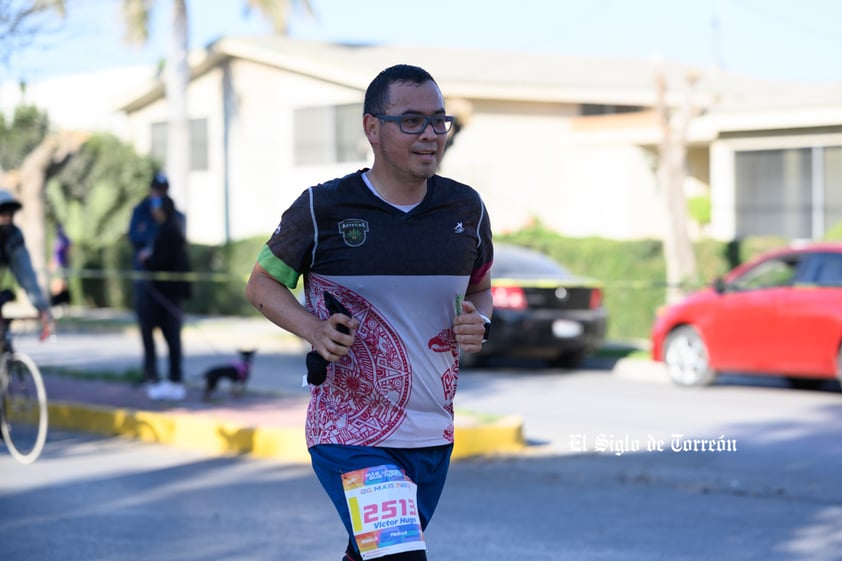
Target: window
[325,135]
[590,109]
[832,186]
[769,274]
[793,193]
[198,144]
[158,143]
[827,269]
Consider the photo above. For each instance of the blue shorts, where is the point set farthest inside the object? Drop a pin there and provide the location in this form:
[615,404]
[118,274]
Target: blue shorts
[426,467]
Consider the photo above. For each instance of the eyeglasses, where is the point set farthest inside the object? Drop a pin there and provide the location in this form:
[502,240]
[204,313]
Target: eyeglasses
[416,124]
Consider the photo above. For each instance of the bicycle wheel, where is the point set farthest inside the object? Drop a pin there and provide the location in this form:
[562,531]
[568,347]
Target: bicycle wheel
[24,411]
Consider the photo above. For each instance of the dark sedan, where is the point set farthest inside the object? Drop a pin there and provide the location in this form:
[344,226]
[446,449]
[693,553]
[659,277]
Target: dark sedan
[541,310]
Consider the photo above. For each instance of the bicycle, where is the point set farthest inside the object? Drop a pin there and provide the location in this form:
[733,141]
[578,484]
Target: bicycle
[23,399]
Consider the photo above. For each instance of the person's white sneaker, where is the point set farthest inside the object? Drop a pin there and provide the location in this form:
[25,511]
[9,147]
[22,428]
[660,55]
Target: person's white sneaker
[155,390]
[166,390]
[175,392]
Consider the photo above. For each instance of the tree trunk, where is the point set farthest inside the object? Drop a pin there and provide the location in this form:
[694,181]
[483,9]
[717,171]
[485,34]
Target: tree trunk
[672,165]
[30,186]
[33,179]
[178,131]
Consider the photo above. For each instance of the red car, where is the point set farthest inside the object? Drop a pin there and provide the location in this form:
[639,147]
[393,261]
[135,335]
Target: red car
[780,314]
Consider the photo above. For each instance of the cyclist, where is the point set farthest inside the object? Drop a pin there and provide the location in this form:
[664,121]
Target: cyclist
[15,256]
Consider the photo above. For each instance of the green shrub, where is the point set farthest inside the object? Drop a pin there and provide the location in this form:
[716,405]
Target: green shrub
[222,272]
[698,208]
[218,279]
[632,273]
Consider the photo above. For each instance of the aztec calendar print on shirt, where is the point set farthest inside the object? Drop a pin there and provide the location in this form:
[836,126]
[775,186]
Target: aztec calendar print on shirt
[365,395]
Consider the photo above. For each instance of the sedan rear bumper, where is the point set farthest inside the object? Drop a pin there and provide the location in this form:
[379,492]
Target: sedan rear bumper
[545,335]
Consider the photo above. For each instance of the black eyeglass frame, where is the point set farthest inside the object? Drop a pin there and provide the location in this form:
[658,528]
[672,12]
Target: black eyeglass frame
[427,120]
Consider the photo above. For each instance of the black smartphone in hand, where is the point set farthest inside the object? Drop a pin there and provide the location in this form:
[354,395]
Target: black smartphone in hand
[316,363]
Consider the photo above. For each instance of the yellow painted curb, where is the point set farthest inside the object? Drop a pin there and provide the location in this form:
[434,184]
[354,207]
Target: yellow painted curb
[205,434]
[194,432]
[501,436]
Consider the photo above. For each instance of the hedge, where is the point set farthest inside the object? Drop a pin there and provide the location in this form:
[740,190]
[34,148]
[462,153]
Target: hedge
[632,274]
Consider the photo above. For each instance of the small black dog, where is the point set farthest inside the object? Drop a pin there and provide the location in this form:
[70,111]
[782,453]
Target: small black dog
[237,372]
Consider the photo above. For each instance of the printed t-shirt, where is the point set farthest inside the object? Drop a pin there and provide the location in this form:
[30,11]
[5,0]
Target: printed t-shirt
[400,274]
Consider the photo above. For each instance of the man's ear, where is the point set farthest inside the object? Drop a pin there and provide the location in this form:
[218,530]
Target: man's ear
[371,126]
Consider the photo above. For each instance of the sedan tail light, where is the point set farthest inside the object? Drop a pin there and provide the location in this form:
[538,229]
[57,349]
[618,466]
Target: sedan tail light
[508,297]
[596,298]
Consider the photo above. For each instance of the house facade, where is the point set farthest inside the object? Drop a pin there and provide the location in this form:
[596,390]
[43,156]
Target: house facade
[569,142]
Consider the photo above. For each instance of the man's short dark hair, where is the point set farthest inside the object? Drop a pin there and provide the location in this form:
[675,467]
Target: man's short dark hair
[377,94]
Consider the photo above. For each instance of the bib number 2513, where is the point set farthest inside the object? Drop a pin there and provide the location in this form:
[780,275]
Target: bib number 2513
[384,515]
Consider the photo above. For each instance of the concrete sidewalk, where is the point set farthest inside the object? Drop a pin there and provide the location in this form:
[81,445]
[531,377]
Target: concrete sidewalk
[268,421]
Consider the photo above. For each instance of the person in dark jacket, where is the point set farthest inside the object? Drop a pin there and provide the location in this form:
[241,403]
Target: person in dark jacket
[161,303]
[14,255]
[143,229]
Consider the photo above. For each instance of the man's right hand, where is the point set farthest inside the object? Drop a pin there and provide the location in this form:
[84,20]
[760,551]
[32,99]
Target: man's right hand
[47,325]
[335,336]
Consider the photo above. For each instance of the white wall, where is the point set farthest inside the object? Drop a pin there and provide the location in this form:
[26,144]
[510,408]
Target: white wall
[528,165]
[528,160]
[523,158]
[263,179]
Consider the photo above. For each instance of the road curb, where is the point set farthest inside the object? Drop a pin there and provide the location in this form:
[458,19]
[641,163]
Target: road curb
[474,437]
[641,370]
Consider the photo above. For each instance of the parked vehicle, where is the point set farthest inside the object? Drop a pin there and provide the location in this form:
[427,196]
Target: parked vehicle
[780,314]
[541,310]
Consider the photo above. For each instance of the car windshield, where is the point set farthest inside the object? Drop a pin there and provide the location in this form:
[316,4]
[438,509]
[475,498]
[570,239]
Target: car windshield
[515,262]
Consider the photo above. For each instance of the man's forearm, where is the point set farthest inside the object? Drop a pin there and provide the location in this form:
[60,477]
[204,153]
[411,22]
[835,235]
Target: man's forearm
[21,266]
[279,305]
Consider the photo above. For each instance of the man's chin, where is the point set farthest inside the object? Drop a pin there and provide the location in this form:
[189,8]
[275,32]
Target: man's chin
[425,171]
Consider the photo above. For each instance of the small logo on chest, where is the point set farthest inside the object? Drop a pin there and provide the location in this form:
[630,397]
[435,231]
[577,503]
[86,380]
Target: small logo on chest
[353,231]
[458,229]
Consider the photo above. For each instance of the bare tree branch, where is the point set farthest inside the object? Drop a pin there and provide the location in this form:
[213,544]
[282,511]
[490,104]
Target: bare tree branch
[21,22]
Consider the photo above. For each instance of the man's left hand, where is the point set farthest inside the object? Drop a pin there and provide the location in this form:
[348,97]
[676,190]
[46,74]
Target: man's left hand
[469,328]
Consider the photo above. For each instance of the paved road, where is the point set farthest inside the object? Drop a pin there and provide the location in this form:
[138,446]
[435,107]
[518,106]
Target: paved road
[776,497]
[93,499]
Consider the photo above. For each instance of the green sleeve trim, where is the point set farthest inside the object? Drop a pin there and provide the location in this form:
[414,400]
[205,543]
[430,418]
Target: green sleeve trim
[279,270]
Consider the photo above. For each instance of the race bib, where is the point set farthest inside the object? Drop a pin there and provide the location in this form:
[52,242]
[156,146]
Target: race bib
[384,514]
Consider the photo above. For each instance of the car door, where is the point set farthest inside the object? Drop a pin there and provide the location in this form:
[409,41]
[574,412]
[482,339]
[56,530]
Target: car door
[810,317]
[744,334]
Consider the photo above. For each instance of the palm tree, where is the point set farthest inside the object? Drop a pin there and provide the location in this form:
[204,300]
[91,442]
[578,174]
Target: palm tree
[177,73]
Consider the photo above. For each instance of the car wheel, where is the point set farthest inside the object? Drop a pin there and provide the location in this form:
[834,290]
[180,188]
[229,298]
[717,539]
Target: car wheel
[686,358]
